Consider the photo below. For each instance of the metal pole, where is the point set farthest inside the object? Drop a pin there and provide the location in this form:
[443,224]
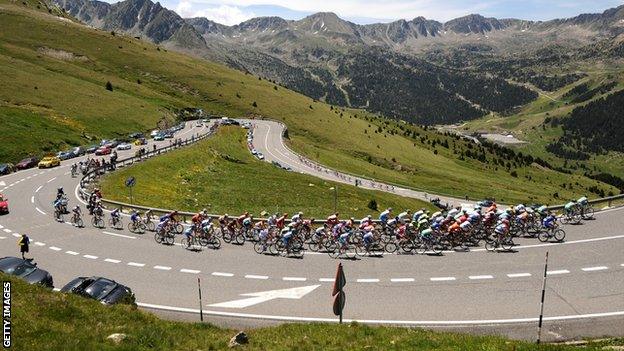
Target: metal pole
[541,316]
[340,317]
[201,311]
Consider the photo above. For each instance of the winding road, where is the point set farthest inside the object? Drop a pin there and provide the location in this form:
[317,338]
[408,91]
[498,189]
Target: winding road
[475,291]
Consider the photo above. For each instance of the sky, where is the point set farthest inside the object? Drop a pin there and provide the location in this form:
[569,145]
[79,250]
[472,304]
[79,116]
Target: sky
[232,12]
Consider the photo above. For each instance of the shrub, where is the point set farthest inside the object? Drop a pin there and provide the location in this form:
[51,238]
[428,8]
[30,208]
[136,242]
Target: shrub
[109,86]
[372,204]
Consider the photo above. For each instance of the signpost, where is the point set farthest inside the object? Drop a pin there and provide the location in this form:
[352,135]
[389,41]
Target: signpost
[201,312]
[541,316]
[130,182]
[338,294]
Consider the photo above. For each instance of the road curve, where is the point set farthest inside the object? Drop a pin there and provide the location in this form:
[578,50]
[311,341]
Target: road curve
[477,291]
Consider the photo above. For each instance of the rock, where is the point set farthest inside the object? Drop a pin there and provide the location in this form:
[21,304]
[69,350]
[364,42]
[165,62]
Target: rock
[116,338]
[238,339]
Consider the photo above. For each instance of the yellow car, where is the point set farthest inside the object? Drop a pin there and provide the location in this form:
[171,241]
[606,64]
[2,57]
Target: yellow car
[49,162]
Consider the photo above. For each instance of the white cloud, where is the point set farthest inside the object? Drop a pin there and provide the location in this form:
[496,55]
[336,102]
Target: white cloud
[224,14]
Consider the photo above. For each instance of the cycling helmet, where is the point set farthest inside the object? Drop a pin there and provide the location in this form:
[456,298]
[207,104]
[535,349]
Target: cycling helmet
[77,206]
[60,190]
[246,213]
[175,212]
[226,215]
[300,213]
[369,217]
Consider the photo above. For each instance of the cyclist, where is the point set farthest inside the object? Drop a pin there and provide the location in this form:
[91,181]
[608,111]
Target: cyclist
[188,233]
[135,217]
[287,233]
[115,215]
[403,216]
[247,223]
[332,220]
[385,216]
[550,221]
[368,237]
[148,214]
[224,220]
[77,213]
[583,201]
[366,221]
[298,217]
[98,210]
[417,215]
[58,205]
[569,208]
[60,193]
[74,169]
[279,221]
[198,217]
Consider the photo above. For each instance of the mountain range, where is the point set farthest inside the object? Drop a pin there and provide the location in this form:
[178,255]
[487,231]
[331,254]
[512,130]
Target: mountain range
[420,70]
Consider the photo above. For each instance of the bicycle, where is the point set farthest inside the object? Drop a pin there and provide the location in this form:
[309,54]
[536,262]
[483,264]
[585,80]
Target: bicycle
[164,236]
[137,227]
[115,223]
[572,217]
[191,243]
[429,243]
[587,212]
[557,233]
[501,240]
[77,221]
[59,215]
[97,221]
[208,238]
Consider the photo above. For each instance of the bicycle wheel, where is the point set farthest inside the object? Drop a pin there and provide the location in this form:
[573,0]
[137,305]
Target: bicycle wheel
[140,228]
[151,226]
[490,245]
[437,249]
[131,227]
[178,228]
[185,243]
[421,248]
[239,239]
[588,213]
[559,235]
[360,250]
[507,244]
[260,247]
[543,236]
[390,247]
[313,245]
[169,238]
[158,238]
[119,225]
[79,223]
[227,236]
[565,219]
[215,242]
[332,249]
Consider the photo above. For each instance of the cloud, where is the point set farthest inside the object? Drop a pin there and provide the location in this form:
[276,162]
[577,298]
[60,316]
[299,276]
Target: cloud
[224,14]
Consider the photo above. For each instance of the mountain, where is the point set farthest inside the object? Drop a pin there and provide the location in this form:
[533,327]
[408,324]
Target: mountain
[431,70]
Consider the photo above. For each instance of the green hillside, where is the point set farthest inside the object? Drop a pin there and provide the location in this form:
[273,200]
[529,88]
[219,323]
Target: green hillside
[57,71]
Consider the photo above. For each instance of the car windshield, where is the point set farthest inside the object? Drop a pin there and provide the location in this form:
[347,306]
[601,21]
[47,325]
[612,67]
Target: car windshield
[22,269]
[100,288]
[8,262]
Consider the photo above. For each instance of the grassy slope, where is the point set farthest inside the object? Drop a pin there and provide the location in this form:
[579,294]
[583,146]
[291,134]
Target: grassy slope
[70,99]
[240,183]
[45,320]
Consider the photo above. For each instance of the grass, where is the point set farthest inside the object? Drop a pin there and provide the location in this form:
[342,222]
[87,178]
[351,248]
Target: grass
[53,101]
[46,320]
[221,175]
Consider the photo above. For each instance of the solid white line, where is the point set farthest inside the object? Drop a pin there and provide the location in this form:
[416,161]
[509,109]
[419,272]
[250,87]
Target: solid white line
[561,271]
[51,180]
[91,257]
[135,264]
[111,260]
[367,280]
[326,279]
[37,208]
[32,199]
[593,269]
[192,271]
[54,248]
[251,276]
[120,235]
[163,268]
[39,243]
[369,321]
[71,253]
[480,277]
[295,279]
[221,274]
[402,280]
[441,279]
[519,275]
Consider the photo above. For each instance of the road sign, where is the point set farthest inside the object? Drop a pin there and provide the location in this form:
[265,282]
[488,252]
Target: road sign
[130,182]
[264,296]
[337,293]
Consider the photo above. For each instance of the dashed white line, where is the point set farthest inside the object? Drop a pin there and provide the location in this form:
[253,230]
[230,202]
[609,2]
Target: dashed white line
[402,280]
[294,279]
[39,243]
[2,237]
[326,279]
[7,230]
[518,275]
[38,210]
[367,280]
[221,274]
[54,248]
[442,279]
[110,260]
[557,272]
[252,276]
[120,235]
[162,268]
[480,277]
[1,226]
[91,257]
[32,199]
[51,180]
[73,253]
[191,271]
[593,269]
[16,235]
[136,264]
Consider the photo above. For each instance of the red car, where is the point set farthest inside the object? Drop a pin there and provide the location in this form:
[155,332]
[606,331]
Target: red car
[27,163]
[104,150]
[4,204]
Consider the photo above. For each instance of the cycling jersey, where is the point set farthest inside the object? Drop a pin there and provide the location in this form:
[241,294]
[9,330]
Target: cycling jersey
[549,222]
[247,222]
[583,200]
[384,216]
[115,213]
[417,215]
[368,238]
[134,217]
[197,218]
[569,206]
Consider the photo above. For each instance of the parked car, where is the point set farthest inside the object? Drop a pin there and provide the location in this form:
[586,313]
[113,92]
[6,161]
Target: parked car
[49,162]
[140,141]
[91,149]
[204,120]
[64,155]
[260,156]
[159,137]
[112,143]
[168,135]
[105,290]
[124,146]
[6,168]
[26,270]
[103,150]
[27,163]
[154,133]
[136,135]
[4,204]
[78,151]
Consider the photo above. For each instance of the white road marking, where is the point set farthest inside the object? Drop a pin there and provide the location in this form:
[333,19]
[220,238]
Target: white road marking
[6,230]
[191,271]
[367,280]
[221,274]
[16,235]
[54,248]
[51,180]
[32,199]
[2,237]
[557,272]
[110,260]
[120,235]
[73,253]
[518,275]
[162,268]
[38,210]
[264,296]
[441,279]
[56,289]
[135,264]
[1,226]
[91,257]
[326,279]
[480,277]
[294,279]
[2,183]
[39,243]
[252,276]
[402,280]
[593,269]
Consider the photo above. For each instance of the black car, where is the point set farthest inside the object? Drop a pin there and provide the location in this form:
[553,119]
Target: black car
[6,168]
[91,149]
[107,291]
[136,135]
[26,270]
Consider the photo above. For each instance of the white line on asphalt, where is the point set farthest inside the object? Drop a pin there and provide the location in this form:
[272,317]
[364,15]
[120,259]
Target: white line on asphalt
[163,268]
[221,274]
[73,253]
[6,230]
[135,264]
[1,226]
[120,235]
[560,271]
[110,260]
[16,235]
[54,248]
[593,269]
[441,279]
[37,208]
[367,280]
[39,243]
[32,199]
[518,275]
[480,277]
[402,280]
[251,276]
[91,257]
[192,271]
[295,279]
[326,279]
[56,289]
[2,237]
[51,180]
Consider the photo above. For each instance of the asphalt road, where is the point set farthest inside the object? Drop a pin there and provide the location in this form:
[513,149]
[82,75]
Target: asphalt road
[474,291]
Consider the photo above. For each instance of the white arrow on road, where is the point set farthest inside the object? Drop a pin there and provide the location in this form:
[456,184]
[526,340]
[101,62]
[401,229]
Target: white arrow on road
[264,296]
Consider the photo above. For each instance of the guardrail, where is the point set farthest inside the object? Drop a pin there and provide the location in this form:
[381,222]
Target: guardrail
[609,200]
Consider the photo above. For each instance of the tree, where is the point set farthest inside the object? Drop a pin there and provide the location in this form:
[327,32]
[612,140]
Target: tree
[109,86]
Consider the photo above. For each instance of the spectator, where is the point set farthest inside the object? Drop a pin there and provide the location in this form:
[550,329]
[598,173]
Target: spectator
[23,243]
